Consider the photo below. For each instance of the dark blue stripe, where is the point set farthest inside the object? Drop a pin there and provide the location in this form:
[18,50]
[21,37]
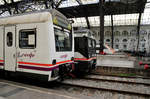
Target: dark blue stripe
[37,68]
[1,64]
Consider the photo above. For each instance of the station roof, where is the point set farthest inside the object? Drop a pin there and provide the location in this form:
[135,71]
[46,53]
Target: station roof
[125,12]
[111,7]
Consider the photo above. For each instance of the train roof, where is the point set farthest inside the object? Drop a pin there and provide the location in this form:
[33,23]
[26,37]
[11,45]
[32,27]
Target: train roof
[81,30]
[32,17]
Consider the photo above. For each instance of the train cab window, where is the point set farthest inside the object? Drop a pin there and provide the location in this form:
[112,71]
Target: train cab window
[90,43]
[27,39]
[94,43]
[9,39]
[63,39]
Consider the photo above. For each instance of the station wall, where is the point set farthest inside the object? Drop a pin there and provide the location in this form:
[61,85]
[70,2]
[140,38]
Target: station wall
[125,37]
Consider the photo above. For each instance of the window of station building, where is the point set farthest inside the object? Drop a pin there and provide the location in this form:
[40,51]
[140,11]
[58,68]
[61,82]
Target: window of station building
[27,38]
[143,32]
[107,33]
[117,46]
[132,40]
[149,36]
[116,40]
[143,45]
[116,33]
[143,40]
[124,40]
[9,39]
[125,47]
[63,39]
[133,32]
[107,40]
[125,33]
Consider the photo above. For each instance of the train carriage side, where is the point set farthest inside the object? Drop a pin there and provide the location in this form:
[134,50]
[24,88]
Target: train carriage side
[29,46]
[1,48]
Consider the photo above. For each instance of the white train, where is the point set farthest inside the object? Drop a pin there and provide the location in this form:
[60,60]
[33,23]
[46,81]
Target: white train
[37,43]
[85,50]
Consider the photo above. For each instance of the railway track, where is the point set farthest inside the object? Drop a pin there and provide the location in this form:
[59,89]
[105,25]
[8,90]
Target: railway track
[97,84]
[116,79]
[93,82]
[115,75]
[109,90]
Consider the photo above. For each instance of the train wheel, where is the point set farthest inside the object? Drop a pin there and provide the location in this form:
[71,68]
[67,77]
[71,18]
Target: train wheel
[90,67]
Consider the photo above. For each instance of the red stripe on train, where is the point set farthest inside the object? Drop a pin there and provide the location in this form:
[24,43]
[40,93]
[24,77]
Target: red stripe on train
[1,60]
[85,58]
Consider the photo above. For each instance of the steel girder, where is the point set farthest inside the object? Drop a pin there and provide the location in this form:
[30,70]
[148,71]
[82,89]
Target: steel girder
[26,6]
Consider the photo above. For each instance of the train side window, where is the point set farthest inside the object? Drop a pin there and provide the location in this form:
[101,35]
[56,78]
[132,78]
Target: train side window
[9,39]
[63,40]
[27,38]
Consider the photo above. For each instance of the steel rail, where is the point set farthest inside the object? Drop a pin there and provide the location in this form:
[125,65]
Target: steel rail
[105,89]
[115,75]
[117,81]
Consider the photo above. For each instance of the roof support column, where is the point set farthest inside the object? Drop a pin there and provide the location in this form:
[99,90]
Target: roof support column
[112,32]
[16,7]
[138,31]
[46,5]
[58,4]
[9,9]
[88,23]
[101,12]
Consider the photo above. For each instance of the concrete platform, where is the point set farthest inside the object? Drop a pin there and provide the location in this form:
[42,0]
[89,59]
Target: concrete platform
[121,60]
[9,90]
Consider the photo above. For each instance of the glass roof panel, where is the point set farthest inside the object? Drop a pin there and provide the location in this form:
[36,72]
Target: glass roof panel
[146,15]
[125,19]
[94,21]
[89,1]
[5,14]
[79,22]
[17,0]
[1,2]
[128,19]
[8,1]
[69,3]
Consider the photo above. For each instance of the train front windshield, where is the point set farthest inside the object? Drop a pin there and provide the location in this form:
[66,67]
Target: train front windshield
[63,39]
[91,43]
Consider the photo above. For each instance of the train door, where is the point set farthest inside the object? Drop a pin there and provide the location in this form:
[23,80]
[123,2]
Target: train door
[10,48]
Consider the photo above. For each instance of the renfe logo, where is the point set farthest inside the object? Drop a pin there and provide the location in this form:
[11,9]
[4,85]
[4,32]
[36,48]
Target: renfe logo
[30,55]
[63,56]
